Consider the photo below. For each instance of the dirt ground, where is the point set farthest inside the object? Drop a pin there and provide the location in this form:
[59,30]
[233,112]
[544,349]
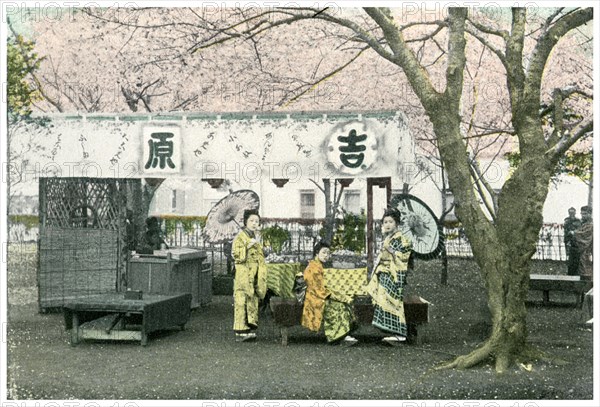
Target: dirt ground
[205,363]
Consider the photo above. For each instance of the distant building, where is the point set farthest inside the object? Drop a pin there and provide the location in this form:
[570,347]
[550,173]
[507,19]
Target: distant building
[24,205]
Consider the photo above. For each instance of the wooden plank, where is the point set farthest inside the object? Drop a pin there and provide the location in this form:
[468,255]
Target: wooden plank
[545,283]
[182,253]
[288,312]
[115,335]
[370,234]
[111,317]
[205,285]
[552,277]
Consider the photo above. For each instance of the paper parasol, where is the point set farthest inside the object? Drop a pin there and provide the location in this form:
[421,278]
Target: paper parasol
[420,225]
[226,218]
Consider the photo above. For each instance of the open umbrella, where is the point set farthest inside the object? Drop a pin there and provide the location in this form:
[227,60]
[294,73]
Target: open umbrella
[420,225]
[225,219]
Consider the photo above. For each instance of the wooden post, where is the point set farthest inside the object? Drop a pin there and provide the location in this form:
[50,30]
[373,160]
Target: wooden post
[381,182]
[328,225]
[75,328]
[42,198]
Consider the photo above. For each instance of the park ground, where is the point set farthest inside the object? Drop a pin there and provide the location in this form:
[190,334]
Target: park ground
[203,362]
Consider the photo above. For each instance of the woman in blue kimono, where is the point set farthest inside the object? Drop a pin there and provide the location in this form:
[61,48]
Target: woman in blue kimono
[389,277]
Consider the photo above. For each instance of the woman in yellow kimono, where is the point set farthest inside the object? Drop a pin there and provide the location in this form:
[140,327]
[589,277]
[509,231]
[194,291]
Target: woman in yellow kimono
[250,282]
[323,307]
[389,277]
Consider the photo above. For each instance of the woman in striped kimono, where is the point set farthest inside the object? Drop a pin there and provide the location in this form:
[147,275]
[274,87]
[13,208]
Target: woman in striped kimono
[324,307]
[389,277]
[250,282]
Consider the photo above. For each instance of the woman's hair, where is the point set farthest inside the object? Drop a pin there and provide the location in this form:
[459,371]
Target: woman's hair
[152,223]
[319,246]
[248,213]
[394,214]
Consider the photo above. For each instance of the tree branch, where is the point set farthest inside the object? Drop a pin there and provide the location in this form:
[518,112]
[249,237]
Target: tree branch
[489,46]
[550,19]
[514,58]
[428,36]
[327,76]
[500,33]
[318,186]
[559,97]
[544,47]
[566,142]
[456,56]
[481,186]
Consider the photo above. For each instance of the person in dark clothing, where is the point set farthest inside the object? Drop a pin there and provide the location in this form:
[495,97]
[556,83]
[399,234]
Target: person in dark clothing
[152,239]
[572,223]
[584,240]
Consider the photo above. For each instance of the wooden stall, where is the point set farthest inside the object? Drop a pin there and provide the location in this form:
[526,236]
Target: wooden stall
[172,271]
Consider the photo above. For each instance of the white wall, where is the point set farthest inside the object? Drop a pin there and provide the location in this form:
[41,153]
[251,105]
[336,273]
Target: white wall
[112,147]
[569,192]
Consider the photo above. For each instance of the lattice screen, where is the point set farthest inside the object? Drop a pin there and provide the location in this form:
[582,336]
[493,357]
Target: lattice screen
[82,203]
[82,237]
[76,263]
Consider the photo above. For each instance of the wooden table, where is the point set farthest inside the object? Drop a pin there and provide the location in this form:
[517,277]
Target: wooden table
[172,271]
[111,317]
[547,283]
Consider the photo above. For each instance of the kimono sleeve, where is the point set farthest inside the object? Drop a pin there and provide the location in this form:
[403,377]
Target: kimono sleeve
[315,281]
[239,250]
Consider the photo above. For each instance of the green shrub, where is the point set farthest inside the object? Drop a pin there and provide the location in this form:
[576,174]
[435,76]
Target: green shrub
[276,236]
[188,223]
[30,221]
[349,234]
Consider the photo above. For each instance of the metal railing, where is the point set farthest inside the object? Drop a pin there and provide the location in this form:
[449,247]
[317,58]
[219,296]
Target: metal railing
[305,233]
[550,244]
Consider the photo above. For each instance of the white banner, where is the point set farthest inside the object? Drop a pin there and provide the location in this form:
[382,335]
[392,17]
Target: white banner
[291,146]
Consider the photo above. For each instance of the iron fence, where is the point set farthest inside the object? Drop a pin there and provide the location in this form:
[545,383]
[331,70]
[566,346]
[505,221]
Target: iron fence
[303,236]
[305,233]
[550,245]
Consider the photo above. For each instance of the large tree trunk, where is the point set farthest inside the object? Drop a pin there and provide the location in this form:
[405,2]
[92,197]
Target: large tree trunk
[502,249]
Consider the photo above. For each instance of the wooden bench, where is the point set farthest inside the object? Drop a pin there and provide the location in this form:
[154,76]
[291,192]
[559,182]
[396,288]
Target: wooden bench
[111,317]
[547,283]
[287,312]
